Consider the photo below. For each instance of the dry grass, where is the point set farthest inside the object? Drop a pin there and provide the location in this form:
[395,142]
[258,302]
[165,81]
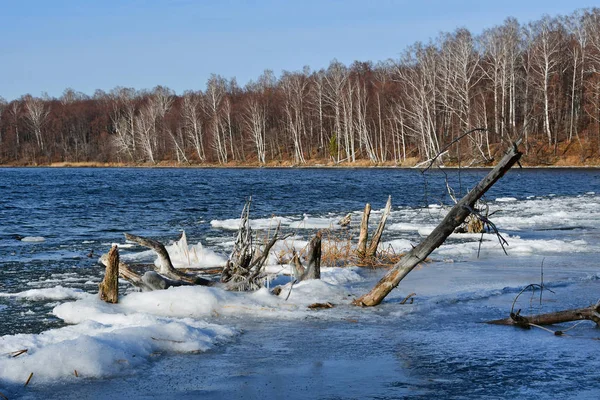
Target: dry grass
[339,250]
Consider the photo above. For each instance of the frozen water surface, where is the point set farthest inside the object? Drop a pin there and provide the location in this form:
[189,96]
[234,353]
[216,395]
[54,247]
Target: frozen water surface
[197,342]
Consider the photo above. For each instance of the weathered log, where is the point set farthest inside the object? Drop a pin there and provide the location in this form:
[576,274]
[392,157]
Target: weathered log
[166,268]
[313,271]
[453,219]
[128,274]
[591,313]
[149,281]
[109,287]
[372,250]
[155,281]
[361,248]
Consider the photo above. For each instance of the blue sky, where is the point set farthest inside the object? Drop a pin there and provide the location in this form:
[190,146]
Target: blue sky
[47,46]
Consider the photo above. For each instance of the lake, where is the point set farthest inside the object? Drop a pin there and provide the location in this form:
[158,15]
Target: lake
[55,223]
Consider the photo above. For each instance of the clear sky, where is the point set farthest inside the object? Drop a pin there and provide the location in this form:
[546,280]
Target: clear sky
[49,45]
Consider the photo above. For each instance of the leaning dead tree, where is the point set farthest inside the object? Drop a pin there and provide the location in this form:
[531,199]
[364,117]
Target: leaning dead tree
[455,217]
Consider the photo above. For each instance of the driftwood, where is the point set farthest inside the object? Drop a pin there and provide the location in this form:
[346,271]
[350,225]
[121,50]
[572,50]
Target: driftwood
[243,270]
[166,268]
[109,287]
[591,313]
[150,280]
[346,220]
[313,270]
[453,219]
[243,251]
[250,277]
[165,275]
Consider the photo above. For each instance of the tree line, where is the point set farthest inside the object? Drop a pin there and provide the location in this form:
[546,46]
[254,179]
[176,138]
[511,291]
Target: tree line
[539,81]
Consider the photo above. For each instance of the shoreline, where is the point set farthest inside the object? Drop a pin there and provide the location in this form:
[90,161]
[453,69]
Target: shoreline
[81,165]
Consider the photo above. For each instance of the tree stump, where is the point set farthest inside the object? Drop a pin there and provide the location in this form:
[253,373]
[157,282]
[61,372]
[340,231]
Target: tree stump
[372,249]
[109,287]
[361,248]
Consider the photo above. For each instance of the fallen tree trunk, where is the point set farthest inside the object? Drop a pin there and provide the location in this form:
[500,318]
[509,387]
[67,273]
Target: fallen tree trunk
[109,287]
[166,268]
[453,219]
[591,313]
[149,281]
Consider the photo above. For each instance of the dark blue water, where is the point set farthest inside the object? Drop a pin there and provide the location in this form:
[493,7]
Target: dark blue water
[79,204]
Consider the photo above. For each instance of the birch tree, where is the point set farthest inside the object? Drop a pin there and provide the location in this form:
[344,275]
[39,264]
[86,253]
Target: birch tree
[335,81]
[544,60]
[295,89]
[191,113]
[215,93]
[36,114]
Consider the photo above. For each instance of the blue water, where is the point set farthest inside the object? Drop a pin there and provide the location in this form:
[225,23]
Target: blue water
[440,349]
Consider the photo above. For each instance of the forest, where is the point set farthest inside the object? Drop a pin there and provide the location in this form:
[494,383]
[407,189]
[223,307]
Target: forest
[538,81]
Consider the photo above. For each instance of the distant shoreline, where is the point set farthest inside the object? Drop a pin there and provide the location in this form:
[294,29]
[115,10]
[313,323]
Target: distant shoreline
[277,166]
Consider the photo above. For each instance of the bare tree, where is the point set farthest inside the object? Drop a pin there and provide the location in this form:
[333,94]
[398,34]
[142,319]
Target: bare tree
[335,81]
[462,73]
[36,114]
[546,43]
[215,93]
[123,116]
[417,72]
[295,89]
[255,120]
[192,122]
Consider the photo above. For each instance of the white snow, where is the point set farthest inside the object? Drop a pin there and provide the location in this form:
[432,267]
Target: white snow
[108,339]
[315,223]
[193,256]
[53,293]
[33,239]
[233,224]
[98,349]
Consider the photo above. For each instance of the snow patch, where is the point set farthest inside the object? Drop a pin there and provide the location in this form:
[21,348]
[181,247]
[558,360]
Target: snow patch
[505,199]
[33,239]
[233,224]
[54,294]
